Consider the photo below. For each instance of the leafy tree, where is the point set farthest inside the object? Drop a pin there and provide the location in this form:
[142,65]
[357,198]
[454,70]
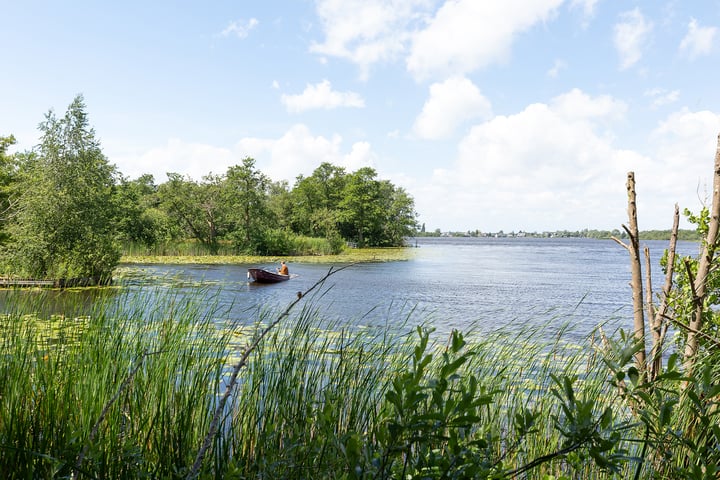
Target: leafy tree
[140,221]
[280,204]
[198,208]
[63,222]
[316,201]
[7,177]
[361,209]
[400,217]
[247,195]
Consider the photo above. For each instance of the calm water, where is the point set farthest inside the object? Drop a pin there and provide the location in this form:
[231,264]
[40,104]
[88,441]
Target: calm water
[450,282]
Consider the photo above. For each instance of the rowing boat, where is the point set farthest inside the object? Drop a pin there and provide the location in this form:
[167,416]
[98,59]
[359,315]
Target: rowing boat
[260,275]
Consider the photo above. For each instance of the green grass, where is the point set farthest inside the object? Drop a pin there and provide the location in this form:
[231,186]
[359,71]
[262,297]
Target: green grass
[129,391]
[354,255]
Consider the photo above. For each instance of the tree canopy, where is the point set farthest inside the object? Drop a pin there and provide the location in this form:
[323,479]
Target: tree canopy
[62,222]
[68,213]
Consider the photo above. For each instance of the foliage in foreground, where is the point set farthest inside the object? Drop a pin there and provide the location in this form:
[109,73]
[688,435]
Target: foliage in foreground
[324,401]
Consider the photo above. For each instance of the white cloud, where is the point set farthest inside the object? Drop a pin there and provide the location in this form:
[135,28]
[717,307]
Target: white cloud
[661,97]
[542,168]
[298,151]
[366,31]
[451,103]
[240,29]
[554,166]
[698,40]
[587,6]
[460,37]
[322,96]
[632,34]
[466,35]
[556,68]
[186,158]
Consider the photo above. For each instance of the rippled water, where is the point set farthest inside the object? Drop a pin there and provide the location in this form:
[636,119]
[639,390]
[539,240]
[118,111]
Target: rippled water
[485,283]
[451,283]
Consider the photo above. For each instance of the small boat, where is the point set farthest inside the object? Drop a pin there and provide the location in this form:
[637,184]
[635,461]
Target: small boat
[260,275]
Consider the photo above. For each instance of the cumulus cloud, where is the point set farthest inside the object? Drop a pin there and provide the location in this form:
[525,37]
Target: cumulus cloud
[241,28]
[632,33]
[698,40]
[548,164]
[366,31]
[587,6]
[554,71]
[298,152]
[661,96]
[321,96]
[460,37]
[177,156]
[451,103]
[293,153]
[553,164]
[465,35]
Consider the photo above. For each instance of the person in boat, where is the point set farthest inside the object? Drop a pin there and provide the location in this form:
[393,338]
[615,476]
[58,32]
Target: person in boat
[283,270]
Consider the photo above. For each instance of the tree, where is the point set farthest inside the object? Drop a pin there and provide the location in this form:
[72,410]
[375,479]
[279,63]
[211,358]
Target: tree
[400,217]
[316,201]
[140,221]
[7,177]
[247,194]
[198,208]
[361,208]
[62,224]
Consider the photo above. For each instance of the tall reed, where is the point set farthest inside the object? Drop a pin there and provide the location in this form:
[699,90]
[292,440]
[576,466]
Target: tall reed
[128,390]
[54,392]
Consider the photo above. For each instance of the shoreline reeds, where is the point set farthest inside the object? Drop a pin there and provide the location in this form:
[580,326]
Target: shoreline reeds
[129,391]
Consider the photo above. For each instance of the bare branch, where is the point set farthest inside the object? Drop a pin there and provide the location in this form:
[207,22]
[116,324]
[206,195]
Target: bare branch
[636,272]
[660,326]
[195,470]
[701,279]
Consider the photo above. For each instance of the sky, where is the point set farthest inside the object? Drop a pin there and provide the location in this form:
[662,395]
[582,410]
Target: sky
[513,115]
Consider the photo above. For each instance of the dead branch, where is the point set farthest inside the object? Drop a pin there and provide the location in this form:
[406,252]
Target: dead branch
[636,272]
[659,325]
[214,424]
[701,279]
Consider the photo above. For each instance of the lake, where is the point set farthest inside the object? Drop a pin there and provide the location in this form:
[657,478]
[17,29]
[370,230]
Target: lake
[463,283]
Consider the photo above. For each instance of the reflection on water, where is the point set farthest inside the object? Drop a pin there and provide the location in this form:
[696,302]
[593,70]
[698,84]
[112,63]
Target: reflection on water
[450,283]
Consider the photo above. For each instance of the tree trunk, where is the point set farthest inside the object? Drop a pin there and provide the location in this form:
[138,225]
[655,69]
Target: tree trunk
[636,271]
[658,318]
[700,283]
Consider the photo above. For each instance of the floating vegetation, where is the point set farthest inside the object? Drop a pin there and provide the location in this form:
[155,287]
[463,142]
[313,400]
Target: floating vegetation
[353,255]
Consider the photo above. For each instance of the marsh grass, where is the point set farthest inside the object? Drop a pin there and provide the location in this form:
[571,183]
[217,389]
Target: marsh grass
[349,255]
[129,390]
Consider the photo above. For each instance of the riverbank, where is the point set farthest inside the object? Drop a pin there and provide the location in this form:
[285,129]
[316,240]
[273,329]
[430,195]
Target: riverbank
[355,255]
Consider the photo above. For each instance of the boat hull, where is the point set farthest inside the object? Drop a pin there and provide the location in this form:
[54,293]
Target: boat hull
[260,275]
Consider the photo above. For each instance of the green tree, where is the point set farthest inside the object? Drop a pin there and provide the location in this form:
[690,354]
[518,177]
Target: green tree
[316,201]
[140,221]
[400,217]
[247,195]
[62,225]
[280,204]
[197,208]
[361,209]
[7,178]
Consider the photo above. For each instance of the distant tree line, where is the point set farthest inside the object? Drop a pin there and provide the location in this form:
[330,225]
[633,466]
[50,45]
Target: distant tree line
[683,234]
[68,213]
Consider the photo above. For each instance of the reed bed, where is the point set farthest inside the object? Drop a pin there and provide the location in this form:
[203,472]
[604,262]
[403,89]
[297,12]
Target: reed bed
[129,390]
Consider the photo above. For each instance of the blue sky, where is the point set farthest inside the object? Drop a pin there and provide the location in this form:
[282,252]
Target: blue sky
[513,115]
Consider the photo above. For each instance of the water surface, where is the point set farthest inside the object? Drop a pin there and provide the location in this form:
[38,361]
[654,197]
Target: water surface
[480,283]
